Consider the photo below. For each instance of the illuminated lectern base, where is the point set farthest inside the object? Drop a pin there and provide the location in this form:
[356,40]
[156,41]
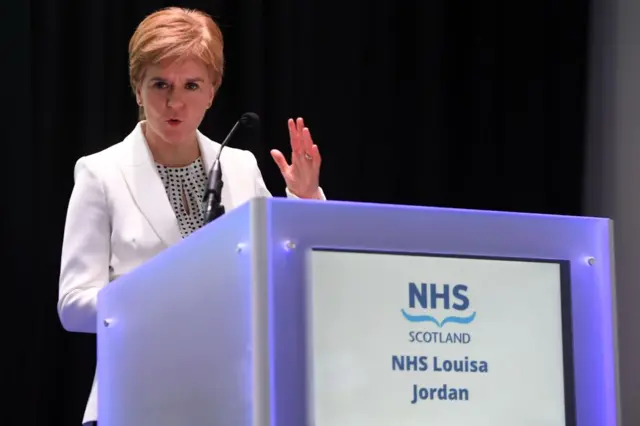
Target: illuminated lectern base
[222,328]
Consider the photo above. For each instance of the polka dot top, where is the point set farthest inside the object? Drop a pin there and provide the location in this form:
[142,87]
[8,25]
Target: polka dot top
[185,188]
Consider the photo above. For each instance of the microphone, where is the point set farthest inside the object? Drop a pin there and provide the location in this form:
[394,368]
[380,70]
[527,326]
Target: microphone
[212,202]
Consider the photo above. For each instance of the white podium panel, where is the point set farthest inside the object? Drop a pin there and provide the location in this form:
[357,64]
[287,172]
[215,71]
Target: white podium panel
[400,338]
[180,339]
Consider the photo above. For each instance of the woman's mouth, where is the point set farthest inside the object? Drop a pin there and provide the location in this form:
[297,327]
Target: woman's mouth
[174,122]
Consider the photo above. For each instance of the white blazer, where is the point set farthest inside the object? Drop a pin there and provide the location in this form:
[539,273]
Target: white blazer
[119,216]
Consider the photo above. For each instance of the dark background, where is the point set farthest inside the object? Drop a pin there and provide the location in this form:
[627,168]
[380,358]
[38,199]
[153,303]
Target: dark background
[455,104]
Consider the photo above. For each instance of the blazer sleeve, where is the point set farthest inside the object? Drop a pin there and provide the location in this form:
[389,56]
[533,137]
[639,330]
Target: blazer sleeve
[84,268]
[261,187]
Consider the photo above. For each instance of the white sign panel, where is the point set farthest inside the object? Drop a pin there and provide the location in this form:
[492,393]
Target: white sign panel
[412,340]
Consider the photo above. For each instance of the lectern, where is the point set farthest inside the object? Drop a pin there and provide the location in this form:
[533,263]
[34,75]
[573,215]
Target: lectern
[293,313]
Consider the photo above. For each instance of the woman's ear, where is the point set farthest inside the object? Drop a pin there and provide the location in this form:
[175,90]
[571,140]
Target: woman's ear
[212,94]
[138,97]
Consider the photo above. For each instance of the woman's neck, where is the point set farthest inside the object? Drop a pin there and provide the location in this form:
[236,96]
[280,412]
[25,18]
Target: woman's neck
[178,155]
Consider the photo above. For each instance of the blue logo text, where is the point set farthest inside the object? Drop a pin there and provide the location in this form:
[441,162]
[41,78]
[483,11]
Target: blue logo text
[430,297]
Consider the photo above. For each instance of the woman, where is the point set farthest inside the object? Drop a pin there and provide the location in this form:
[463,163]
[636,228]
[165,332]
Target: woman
[140,196]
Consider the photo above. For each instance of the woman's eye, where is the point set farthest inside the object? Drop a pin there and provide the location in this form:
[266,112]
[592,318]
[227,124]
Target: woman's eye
[192,86]
[160,85]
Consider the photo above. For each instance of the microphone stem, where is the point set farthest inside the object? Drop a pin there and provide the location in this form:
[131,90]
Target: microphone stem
[212,202]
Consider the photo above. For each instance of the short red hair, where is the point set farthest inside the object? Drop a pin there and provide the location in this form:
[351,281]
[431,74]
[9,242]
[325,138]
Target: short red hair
[176,33]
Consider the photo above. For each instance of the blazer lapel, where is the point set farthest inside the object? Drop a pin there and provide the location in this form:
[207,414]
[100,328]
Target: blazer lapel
[208,151]
[147,189]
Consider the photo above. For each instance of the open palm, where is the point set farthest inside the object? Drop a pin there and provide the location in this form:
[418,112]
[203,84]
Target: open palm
[302,176]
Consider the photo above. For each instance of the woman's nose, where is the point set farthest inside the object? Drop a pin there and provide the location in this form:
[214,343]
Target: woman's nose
[174,100]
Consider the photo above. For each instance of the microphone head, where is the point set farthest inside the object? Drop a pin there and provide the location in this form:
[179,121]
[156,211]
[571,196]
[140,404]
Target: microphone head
[249,119]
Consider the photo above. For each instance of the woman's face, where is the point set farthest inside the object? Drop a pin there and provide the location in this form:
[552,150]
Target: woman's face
[175,97]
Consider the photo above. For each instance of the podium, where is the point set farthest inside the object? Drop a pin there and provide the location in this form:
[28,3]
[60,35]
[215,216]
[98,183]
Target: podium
[279,313]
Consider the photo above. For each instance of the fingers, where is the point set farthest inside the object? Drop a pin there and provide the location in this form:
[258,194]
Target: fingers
[307,141]
[315,153]
[301,140]
[302,143]
[280,161]
[294,136]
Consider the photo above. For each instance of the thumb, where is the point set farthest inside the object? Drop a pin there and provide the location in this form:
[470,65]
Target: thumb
[281,162]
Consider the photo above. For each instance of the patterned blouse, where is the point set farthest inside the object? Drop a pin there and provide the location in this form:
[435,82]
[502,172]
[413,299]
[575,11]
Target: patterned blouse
[185,188]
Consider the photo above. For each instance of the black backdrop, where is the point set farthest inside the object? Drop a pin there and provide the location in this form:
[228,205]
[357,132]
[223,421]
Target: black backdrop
[472,105]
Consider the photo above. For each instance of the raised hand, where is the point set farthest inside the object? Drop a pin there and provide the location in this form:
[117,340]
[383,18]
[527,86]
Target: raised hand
[302,176]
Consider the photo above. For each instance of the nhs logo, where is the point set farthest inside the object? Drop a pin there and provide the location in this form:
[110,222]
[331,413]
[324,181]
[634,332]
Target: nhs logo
[438,303]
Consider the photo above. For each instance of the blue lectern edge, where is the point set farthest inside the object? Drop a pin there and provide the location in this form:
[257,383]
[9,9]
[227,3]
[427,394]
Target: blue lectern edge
[427,209]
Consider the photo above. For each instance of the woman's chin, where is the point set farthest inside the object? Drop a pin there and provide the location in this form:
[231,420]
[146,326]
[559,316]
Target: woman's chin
[176,134]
